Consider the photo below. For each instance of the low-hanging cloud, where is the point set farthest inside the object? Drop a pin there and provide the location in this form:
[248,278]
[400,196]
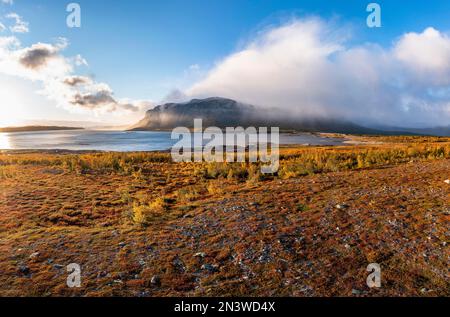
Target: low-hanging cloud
[307,68]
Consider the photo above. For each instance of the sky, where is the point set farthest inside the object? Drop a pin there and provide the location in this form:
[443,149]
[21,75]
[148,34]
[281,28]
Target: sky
[309,58]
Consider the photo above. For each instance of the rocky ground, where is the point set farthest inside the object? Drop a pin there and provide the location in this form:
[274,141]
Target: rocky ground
[306,236]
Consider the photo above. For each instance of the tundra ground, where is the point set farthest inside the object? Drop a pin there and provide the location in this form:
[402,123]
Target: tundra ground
[140,225]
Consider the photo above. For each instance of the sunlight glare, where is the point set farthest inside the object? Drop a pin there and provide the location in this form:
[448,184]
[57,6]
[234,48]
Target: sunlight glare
[4,141]
[10,107]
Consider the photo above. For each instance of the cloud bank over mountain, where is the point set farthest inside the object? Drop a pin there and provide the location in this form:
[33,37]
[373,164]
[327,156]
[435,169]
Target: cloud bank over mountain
[306,68]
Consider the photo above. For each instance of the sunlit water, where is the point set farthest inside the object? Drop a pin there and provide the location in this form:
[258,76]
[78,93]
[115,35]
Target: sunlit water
[119,140]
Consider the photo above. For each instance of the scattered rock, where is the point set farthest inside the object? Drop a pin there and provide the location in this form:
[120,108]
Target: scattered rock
[211,268]
[25,270]
[265,255]
[156,280]
[306,290]
[356,291]
[58,266]
[341,206]
[150,248]
[447,181]
[122,244]
[199,255]
[178,265]
[34,255]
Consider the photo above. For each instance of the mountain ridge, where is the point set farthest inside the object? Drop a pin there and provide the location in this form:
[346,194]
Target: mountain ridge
[225,112]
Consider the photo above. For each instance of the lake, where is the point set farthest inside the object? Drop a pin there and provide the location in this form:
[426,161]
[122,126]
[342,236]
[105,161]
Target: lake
[122,141]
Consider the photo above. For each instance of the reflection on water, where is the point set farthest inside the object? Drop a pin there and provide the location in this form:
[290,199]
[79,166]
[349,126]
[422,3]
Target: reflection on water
[4,141]
[119,140]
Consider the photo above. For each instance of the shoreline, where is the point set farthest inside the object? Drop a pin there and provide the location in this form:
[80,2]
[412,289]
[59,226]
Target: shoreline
[288,141]
[167,151]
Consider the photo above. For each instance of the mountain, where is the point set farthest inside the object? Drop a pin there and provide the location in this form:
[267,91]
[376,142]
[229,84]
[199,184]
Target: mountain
[435,131]
[222,112]
[216,111]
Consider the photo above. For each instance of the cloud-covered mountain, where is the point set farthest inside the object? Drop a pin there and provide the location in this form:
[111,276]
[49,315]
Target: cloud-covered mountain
[223,112]
[311,68]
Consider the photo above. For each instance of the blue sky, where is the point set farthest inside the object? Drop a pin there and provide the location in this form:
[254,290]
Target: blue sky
[144,49]
[139,47]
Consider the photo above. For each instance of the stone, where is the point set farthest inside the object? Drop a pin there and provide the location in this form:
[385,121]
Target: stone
[341,206]
[25,270]
[211,268]
[34,255]
[156,280]
[356,292]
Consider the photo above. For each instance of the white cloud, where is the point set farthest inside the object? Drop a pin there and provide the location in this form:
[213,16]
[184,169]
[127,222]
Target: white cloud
[20,26]
[194,67]
[426,54]
[2,27]
[306,68]
[80,61]
[10,2]
[45,63]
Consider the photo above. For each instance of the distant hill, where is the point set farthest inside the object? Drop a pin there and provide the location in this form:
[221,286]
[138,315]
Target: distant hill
[436,131]
[222,112]
[36,128]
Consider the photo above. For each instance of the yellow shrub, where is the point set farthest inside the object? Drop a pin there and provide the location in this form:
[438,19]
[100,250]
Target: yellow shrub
[215,187]
[142,214]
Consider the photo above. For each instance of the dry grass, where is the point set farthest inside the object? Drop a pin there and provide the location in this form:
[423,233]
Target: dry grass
[126,217]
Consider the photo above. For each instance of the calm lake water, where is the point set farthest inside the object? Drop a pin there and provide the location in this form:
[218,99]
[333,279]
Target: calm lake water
[119,140]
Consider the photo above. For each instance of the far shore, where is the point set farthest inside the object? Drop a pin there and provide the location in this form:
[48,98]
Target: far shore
[37,129]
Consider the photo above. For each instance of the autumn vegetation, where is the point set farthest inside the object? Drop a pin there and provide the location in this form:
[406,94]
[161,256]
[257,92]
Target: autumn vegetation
[131,219]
